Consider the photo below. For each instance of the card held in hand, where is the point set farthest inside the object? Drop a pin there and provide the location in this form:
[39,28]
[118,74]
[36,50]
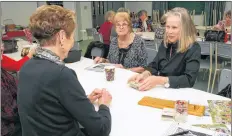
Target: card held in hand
[134,85]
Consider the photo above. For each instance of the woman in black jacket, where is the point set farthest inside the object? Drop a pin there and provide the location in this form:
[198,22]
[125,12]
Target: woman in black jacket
[51,100]
[178,60]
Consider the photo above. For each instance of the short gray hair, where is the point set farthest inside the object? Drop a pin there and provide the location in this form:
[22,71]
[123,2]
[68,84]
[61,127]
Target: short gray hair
[109,14]
[141,12]
[123,10]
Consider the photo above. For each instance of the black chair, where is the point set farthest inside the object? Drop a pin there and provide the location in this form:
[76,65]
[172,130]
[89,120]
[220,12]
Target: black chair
[74,54]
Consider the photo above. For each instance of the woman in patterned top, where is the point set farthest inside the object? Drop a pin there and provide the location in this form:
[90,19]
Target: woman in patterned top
[127,50]
[144,23]
[160,30]
[9,112]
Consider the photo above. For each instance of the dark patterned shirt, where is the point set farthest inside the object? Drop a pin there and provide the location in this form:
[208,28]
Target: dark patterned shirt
[149,26]
[135,56]
[159,32]
[9,111]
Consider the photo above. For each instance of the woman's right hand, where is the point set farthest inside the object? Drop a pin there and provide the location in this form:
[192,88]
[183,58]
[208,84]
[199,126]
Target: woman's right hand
[105,98]
[98,60]
[136,78]
[139,77]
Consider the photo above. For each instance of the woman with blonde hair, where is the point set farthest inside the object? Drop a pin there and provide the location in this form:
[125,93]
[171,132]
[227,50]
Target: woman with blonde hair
[51,100]
[127,50]
[105,30]
[177,62]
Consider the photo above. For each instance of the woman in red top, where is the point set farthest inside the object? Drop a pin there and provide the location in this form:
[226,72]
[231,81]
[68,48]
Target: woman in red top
[105,29]
[12,65]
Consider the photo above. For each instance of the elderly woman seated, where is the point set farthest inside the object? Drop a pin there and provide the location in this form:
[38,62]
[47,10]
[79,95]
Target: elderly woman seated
[127,50]
[177,62]
[105,29]
[51,100]
[144,23]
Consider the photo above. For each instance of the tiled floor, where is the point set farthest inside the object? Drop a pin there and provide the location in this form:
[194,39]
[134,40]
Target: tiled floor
[200,83]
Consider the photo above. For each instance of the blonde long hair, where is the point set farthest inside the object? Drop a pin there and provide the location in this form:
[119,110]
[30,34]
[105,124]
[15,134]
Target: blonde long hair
[188,30]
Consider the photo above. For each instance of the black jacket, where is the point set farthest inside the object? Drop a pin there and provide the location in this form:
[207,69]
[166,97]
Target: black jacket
[92,45]
[180,68]
[52,102]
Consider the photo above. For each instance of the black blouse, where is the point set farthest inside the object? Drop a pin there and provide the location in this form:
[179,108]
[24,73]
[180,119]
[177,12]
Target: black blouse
[180,68]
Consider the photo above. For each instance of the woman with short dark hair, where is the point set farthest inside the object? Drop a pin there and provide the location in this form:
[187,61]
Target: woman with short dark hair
[144,24]
[51,100]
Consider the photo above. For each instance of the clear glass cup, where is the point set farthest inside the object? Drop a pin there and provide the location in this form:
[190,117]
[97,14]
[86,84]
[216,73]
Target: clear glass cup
[181,109]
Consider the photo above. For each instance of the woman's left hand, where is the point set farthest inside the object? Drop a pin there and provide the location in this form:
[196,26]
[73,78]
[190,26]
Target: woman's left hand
[118,66]
[151,82]
[97,93]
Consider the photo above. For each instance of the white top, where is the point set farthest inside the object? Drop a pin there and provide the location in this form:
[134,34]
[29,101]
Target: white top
[145,25]
[129,118]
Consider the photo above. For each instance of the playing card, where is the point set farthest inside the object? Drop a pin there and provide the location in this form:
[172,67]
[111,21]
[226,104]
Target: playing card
[134,85]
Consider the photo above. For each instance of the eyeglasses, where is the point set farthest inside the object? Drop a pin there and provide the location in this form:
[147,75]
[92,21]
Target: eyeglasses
[123,25]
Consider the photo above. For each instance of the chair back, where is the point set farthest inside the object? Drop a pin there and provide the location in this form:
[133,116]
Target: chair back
[224,50]
[225,79]
[91,31]
[98,37]
[205,47]
[97,52]
[151,53]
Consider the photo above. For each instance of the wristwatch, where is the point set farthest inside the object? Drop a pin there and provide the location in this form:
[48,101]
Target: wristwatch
[167,85]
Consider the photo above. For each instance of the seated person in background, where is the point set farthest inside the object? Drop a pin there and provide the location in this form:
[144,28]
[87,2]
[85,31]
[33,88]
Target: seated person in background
[127,50]
[12,65]
[160,30]
[177,62]
[225,24]
[144,23]
[105,28]
[51,100]
[10,123]
[113,32]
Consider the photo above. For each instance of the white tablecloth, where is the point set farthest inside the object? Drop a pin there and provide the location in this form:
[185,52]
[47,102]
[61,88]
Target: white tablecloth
[128,118]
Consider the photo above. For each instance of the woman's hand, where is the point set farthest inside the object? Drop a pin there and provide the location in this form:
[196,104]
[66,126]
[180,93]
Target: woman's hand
[31,52]
[105,98]
[151,82]
[96,94]
[217,27]
[136,78]
[140,77]
[118,66]
[139,30]
[99,60]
